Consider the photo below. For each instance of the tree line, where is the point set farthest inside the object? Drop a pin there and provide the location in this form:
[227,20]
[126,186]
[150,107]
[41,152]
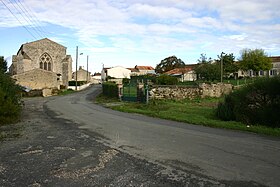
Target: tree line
[225,65]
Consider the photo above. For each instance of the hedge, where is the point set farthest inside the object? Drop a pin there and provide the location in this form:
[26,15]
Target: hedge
[110,89]
[256,104]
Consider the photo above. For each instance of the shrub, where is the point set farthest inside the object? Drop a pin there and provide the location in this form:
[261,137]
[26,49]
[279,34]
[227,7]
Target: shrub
[79,83]
[257,103]
[166,80]
[110,89]
[10,100]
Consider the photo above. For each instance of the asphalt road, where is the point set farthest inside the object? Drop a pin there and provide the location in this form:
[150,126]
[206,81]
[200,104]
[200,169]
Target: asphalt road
[229,157]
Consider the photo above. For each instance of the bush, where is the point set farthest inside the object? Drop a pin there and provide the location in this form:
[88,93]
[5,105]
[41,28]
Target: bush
[257,103]
[110,89]
[166,80]
[10,100]
[79,83]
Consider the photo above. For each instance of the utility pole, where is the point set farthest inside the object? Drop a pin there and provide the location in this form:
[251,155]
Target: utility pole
[222,67]
[87,68]
[76,78]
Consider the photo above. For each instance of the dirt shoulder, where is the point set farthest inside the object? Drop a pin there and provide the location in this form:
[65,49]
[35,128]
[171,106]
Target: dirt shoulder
[55,152]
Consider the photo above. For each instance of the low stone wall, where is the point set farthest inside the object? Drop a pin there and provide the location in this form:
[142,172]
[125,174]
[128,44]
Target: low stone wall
[174,92]
[215,90]
[184,92]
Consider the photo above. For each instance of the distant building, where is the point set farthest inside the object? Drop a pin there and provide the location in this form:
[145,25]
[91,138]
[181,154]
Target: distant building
[82,75]
[144,70]
[272,72]
[275,66]
[117,72]
[183,74]
[42,64]
[96,78]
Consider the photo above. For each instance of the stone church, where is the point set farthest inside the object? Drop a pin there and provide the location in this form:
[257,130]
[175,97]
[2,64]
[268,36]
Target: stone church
[42,64]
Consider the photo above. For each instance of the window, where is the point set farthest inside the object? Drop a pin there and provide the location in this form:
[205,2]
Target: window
[46,62]
[49,66]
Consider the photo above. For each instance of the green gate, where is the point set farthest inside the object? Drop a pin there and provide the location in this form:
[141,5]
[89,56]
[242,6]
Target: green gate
[134,93]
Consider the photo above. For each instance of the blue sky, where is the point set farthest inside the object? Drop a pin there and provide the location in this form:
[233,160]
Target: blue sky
[141,32]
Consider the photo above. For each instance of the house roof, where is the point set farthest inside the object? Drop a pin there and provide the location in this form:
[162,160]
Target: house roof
[133,69]
[178,71]
[275,58]
[144,67]
[191,66]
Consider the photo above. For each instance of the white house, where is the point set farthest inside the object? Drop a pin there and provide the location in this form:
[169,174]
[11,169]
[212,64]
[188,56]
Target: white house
[272,72]
[117,72]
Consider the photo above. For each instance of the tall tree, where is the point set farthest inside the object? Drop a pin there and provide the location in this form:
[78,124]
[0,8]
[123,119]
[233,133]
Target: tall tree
[207,69]
[229,65]
[3,65]
[168,64]
[255,60]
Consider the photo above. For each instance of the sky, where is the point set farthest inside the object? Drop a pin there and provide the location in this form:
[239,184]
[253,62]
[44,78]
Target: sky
[141,32]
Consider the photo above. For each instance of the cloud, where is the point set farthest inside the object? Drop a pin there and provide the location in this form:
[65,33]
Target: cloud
[160,26]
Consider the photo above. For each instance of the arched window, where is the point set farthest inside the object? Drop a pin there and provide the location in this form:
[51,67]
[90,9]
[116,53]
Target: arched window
[49,66]
[41,65]
[46,62]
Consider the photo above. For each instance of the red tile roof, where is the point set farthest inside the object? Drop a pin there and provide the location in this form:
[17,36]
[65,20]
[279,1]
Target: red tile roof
[144,67]
[178,71]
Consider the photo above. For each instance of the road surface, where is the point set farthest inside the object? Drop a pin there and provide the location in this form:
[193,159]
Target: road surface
[220,155]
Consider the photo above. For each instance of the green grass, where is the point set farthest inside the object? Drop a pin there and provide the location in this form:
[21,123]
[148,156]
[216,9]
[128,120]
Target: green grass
[198,111]
[66,92]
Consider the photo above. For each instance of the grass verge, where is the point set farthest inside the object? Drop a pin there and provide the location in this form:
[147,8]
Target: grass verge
[198,111]
[66,92]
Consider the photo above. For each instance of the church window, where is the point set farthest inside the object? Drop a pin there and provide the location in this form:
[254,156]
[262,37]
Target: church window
[46,62]
[49,66]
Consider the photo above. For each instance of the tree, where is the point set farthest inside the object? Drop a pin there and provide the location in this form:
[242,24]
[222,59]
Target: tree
[229,66]
[168,64]
[10,98]
[3,65]
[255,60]
[207,69]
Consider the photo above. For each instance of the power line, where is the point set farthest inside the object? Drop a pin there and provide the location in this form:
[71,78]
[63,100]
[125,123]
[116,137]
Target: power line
[32,15]
[26,18]
[29,18]
[19,20]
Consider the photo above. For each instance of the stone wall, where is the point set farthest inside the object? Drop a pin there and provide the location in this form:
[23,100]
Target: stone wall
[184,92]
[37,79]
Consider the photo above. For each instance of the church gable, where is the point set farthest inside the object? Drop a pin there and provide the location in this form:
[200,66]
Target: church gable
[45,42]
[45,55]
